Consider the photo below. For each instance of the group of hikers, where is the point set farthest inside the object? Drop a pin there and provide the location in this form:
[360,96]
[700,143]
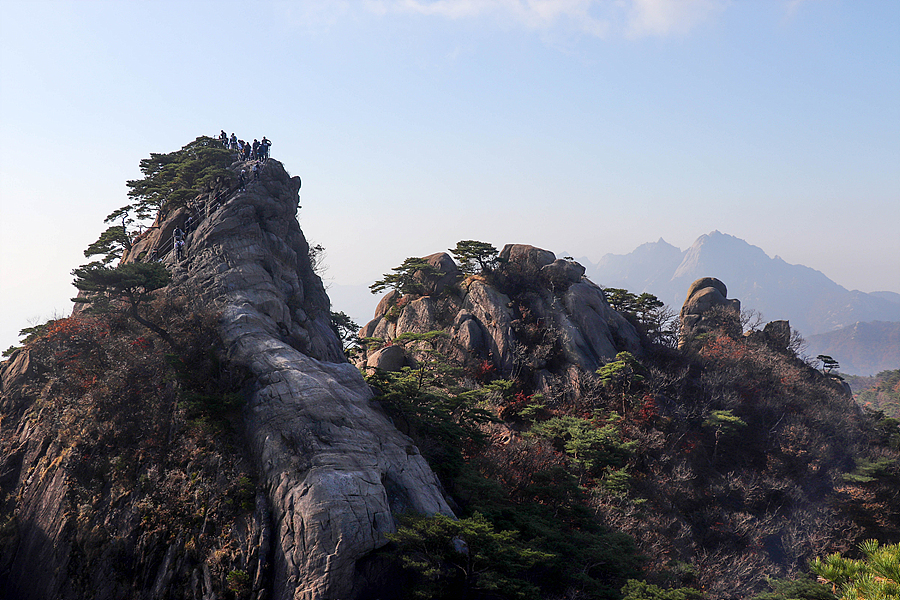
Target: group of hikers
[257,150]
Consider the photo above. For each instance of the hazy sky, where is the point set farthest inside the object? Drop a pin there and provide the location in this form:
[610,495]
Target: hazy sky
[584,126]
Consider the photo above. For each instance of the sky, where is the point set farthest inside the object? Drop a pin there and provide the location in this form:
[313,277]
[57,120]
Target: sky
[585,127]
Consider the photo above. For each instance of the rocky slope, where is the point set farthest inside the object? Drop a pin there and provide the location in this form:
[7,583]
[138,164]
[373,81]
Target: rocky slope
[535,318]
[333,468]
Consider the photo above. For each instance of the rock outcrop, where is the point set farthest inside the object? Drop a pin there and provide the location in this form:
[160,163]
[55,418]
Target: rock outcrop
[707,307]
[333,468]
[535,316]
[336,470]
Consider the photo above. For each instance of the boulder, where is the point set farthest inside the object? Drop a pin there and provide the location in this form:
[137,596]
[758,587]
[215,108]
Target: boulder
[385,304]
[778,334]
[698,314]
[602,332]
[389,358]
[448,273]
[706,282]
[470,337]
[525,259]
[491,309]
[561,273]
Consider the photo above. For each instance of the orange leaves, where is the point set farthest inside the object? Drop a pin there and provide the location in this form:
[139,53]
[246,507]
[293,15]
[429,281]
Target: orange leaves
[725,349]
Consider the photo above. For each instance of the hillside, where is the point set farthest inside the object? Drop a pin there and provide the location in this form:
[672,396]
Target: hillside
[503,429]
[861,348]
[727,462]
[813,303]
[199,430]
[881,393]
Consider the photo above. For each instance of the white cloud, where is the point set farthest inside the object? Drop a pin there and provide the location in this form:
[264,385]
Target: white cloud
[532,14]
[633,18]
[666,17]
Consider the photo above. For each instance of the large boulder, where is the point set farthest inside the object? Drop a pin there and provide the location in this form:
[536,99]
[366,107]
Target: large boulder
[561,273]
[706,308]
[524,259]
[389,358]
[491,308]
[778,334]
[448,273]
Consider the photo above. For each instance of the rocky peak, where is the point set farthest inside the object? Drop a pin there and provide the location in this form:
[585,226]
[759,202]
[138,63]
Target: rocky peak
[706,307]
[516,317]
[334,469]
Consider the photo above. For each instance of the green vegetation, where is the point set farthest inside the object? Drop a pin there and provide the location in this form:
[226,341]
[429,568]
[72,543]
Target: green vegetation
[409,278]
[622,375]
[641,590]
[593,444]
[646,312]
[475,257]
[724,424]
[539,500]
[883,394]
[173,178]
[828,364]
[466,558]
[875,576]
[132,284]
[802,588]
[345,329]
[111,244]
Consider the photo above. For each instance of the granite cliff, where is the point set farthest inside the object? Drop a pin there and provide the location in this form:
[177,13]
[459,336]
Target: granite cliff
[332,469]
[534,318]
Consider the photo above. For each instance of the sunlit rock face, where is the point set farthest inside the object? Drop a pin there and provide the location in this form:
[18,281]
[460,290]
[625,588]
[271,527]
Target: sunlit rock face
[535,316]
[335,469]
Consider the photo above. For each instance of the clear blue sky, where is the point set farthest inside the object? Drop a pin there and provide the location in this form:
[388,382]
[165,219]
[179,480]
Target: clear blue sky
[576,125]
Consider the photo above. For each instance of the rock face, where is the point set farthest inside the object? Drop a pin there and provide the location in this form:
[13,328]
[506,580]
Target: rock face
[512,318]
[336,470]
[333,468]
[706,307]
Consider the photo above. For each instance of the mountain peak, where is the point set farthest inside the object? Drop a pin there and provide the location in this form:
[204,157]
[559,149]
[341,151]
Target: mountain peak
[777,289]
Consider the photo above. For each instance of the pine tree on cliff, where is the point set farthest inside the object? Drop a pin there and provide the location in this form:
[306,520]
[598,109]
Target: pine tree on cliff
[472,255]
[171,179]
[132,284]
[408,278]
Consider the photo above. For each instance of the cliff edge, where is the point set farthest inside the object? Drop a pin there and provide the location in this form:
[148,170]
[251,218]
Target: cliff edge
[328,470]
[334,467]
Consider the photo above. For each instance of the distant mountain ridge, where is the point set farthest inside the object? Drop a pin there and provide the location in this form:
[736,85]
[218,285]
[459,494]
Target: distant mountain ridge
[861,348]
[811,301]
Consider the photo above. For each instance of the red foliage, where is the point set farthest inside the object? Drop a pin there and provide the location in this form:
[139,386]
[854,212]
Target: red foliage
[690,444]
[723,348]
[647,412]
[483,370]
[520,401]
[142,343]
